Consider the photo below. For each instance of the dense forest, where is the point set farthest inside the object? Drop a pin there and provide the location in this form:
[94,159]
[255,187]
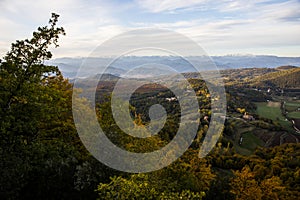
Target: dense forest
[42,157]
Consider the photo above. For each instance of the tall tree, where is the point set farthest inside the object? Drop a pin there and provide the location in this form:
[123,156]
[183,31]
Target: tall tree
[22,74]
[29,90]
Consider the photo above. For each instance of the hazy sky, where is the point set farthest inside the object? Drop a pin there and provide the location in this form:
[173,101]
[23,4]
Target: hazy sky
[220,27]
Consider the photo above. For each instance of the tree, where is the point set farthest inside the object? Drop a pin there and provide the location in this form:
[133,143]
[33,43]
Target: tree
[35,112]
[41,155]
[271,188]
[23,74]
[244,185]
[141,186]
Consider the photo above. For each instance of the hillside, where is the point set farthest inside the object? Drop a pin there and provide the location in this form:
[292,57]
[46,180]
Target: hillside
[122,133]
[280,79]
[285,67]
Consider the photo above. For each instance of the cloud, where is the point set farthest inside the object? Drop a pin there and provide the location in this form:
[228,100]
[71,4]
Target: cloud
[156,6]
[288,11]
[83,44]
[177,24]
[81,20]
[171,6]
[234,25]
[223,25]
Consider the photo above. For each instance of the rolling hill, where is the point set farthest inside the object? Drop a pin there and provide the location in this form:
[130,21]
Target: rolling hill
[279,79]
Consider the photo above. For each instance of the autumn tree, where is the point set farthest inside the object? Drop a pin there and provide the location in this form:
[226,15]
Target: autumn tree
[142,186]
[245,186]
[36,120]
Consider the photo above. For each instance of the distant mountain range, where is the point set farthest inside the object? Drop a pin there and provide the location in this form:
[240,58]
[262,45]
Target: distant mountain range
[70,66]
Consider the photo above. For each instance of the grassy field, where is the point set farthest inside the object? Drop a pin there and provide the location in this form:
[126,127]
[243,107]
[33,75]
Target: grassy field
[241,150]
[294,115]
[291,106]
[249,144]
[272,111]
[250,141]
[294,104]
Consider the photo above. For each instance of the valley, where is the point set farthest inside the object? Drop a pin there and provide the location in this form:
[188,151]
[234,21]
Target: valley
[256,92]
[132,106]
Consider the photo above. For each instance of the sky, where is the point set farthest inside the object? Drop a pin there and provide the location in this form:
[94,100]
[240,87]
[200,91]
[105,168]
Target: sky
[259,27]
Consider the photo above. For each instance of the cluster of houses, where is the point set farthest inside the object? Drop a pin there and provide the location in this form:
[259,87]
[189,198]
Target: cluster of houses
[171,99]
[248,117]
